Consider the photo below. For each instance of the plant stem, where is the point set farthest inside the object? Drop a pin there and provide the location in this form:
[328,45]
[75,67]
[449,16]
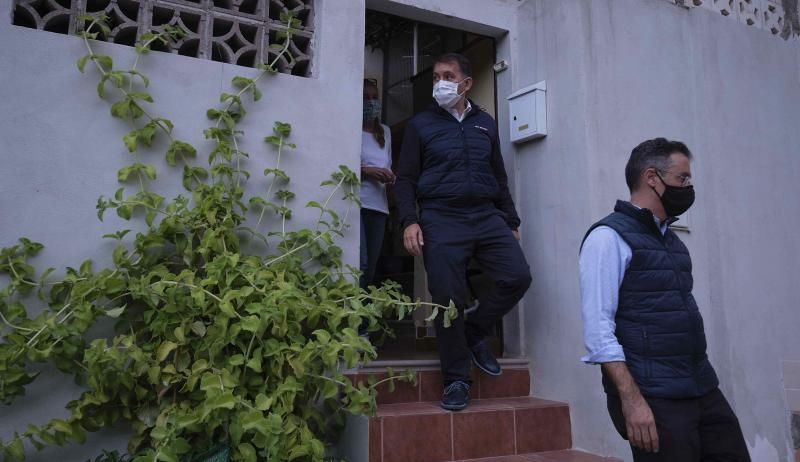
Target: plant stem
[16,275]
[191,286]
[272,183]
[15,327]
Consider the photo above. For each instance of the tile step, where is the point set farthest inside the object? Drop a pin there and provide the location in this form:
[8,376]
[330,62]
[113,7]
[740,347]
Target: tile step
[424,432]
[569,455]
[514,382]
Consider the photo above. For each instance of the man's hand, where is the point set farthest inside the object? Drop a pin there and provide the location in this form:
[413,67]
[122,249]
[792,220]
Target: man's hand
[640,423]
[515,232]
[384,175]
[412,239]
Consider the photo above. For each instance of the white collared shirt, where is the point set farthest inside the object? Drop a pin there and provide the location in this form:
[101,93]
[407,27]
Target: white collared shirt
[454,112]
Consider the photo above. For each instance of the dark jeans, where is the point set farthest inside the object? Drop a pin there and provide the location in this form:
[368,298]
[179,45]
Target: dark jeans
[452,236]
[373,227]
[703,429]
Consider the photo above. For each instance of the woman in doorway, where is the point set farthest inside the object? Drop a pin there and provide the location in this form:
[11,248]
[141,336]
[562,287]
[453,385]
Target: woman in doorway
[376,173]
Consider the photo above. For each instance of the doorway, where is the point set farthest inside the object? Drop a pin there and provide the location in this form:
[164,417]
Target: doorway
[399,54]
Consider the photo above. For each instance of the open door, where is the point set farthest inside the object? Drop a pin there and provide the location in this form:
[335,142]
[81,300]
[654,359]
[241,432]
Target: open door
[399,55]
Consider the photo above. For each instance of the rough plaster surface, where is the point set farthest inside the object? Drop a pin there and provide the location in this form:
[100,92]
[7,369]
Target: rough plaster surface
[61,149]
[619,72]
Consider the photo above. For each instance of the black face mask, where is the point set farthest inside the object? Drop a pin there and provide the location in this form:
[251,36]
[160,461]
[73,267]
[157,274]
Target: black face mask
[676,199]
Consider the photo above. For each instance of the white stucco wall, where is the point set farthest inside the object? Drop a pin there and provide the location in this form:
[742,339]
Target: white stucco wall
[61,150]
[622,71]
[618,72]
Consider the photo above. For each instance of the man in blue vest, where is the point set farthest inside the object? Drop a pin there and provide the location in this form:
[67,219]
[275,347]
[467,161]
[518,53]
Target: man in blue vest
[451,167]
[642,324]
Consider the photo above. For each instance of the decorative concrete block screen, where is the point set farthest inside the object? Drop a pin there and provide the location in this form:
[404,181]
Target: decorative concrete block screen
[778,17]
[230,31]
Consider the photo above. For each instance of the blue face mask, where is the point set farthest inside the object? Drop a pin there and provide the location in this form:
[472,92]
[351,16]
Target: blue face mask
[372,110]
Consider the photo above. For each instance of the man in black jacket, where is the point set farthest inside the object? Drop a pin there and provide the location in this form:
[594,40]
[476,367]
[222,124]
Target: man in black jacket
[451,167]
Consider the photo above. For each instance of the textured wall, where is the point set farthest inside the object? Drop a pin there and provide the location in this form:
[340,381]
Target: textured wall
[619,72]
[61,149]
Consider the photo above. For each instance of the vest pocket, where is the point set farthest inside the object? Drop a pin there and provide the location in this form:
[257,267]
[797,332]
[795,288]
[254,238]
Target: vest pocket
[646,359]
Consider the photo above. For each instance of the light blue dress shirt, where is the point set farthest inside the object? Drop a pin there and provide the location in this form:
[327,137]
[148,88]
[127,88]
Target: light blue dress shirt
[604,258]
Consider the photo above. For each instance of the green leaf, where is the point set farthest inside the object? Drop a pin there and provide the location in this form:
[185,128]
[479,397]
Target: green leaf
[120,255]
[124,173]
[199,328]
[274,140]
[130,141]
[228,309]
[199,366]
[150,171]
[121,109]
[61,426]
[115,312]
[263,403]
[251,323]
[82,62]
[210,381]
[179,149]
[141,97]
[166,454]
[329,390]
[254,363]
[144,78]
[104,61]
[101,87]
[282,129]
[241,82]
[247,452]
[224,401]
[118,235]
[179,334]
[164,350]
[15,449]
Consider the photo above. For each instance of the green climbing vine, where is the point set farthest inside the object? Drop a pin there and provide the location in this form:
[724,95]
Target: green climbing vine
[216,350]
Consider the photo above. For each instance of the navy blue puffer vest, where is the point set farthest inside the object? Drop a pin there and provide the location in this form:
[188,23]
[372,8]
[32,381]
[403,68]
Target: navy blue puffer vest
[658,323]
[456,159]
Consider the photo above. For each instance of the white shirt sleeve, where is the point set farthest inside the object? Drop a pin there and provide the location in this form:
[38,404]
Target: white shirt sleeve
[604,258]
[388,134]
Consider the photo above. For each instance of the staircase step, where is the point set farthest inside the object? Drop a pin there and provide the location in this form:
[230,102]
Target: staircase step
[570,455]
[424,432]
[514,382]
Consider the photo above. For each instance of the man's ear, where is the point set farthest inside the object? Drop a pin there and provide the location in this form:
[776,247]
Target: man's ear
[650,177]
[467,84]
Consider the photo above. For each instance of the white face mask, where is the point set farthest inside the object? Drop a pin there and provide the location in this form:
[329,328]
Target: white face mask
[446,93]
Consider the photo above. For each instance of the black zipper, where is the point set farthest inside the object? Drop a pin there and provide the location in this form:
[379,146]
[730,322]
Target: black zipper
[675,268]
[466,154]
[647,359]
[685,297]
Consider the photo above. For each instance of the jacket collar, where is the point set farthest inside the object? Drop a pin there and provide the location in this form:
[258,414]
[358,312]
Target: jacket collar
[434,107]
[642,215]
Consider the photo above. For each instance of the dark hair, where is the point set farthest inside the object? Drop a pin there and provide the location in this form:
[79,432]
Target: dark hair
[652,154]
[380,137]
[463,62]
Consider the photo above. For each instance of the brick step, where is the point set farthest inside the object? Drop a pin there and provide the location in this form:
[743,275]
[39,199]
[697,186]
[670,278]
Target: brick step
[424,432]
[570,455]
[514,382]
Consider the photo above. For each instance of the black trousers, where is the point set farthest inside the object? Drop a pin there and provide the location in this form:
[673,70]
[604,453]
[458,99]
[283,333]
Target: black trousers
[452,236]
[703,429]
[373,227]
